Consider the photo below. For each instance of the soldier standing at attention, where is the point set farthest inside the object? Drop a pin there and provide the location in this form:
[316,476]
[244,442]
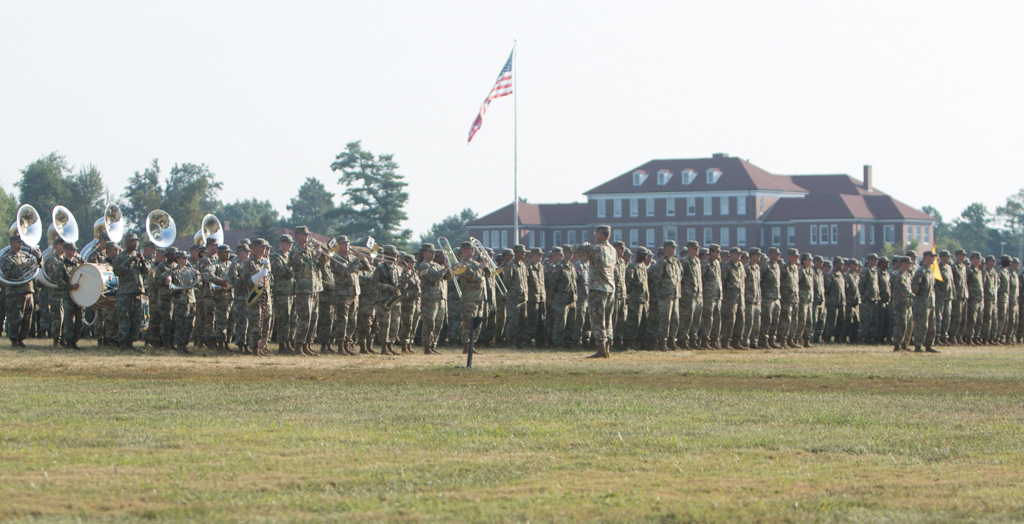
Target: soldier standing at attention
[500,308]
[789,299]
[752,300]
[805,311]
[691,293]
[472,281]
[346,267]
[50,269]
[163,306]
[944,300]
[386,280]
[902,302]
[535,296]
[183,301]
[990,279]
[711,310]
[835,302]
[109,325]
[367,314]
[666,275]
[434,278]
[305,262]
[923,287]
[562,297]
[582,267]
[884,319]
[619,304]
[284,295]
[868,290]
[1013,285]
[852,300]
[239,295]
[515,277]
[958,310]
[1002,298]
[218,299]
[637,298]
[130,267]
[409,305]
[975,279]
[325,310]
[256,271]
[601,288]
[734,277]
[770,307]
[818,307]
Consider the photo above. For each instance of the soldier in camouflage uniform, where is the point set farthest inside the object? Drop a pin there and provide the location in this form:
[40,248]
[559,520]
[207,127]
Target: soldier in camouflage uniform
[923,287]
[239,295]
[18,298]
[155,290]
[902,303]
[306,261]
[284,295]
[51,266]
[1002,298]
[975,309]
[534,299]
[367,313]
[818,306]
[217,297]
[789,299]
[1010,330]
[108,315]
[183,301]
[990,279]
[472,282]
[805,310]
[386,279]
[257,270]
[944,299]
[835,302]
[734,277]
[325,310]
[601,292]
[582,267]
[410,303]
[666,275]
[691,301]
[867,284]
[650,328]
[852,300]
[346,266]
[162,305]
[562,297]
[60,275]
[637,298]
[752,299]
[958,309]
[203,329]
[770,308]
[130,267]
[434,277]
[501,309]
[515,276]
[619,308]
[884,318]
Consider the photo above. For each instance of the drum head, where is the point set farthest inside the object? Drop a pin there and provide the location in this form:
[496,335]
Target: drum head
[91,280]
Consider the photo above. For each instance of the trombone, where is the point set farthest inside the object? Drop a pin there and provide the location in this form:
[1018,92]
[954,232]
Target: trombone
[482,253]
[455,267]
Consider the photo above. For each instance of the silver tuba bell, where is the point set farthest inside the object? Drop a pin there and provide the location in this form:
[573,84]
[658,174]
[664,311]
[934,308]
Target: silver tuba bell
[63,228]
[28,226]
[210,228]
[110,226]
[160,228]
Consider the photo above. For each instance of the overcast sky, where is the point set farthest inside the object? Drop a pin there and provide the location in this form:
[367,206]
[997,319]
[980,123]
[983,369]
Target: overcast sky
[267,94]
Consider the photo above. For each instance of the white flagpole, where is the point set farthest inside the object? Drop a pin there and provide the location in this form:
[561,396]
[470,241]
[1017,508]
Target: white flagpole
[515,146]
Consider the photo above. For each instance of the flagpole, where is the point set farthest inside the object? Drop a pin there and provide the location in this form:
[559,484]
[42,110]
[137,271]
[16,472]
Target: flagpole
[515,146]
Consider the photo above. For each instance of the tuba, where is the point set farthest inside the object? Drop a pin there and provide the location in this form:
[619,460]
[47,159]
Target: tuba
[210,227]
[160,228]
[110,226]
[28,227]
[63,227]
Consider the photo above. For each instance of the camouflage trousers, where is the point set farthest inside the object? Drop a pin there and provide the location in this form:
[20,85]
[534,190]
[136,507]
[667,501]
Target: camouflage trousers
[346,313]
[153,333]
[805,321]
[582,322]
[43,310]
[433,313]
[19,315]
[500,316]
[534,321]
[515,319]
[653,323]
[259,315]
[1011,319]
[943,317]
[711,319]
[184,315]
[1000,323]
[559,319]
[409,316]
[306,317]
[165,310]
[72,327]
[690,311]
[388,322]
[975,319]
[129,317]
[751,322]
[835,317]
[620,310]
[636,316]
[924,325]
[326,317]
[884,321]
[868,317]
[600,313]
[366,325]
[469,309]
[198,328]
[787,320]
[283,322]
[770,310]
[218,309]
[56,316]
[240,312]
[901,315]
[454,321]
[732,319]
[988,318]
[852,322]
[958,316]
[668,320]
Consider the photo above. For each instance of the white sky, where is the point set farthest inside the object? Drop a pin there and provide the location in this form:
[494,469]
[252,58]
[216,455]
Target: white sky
[267,93]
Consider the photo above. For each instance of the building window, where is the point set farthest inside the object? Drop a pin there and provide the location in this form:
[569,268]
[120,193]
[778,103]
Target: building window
[670,207]
[543,244]
[504,239]
[634,207]
[910,234]
[616,235]
[487,238]
[741,236]
[927,235]
[663,177]
[724,236]
[871,234]
[670,232]
[814,235]
[650,238]
[617,207]
[691,234]
[494,239]
[639,177]
[714,175]
[601,211]
[761,200]
[649,204]
[776,236]
[889,235]
[835,234]
[687,176]
[583,235]
[707,205]
[530,236]
[634,237]
[691,206]
[709,236]
[791,235]
[557,238]
[725,205]
[823,234]
[862,234]
[741,205]
[570,237]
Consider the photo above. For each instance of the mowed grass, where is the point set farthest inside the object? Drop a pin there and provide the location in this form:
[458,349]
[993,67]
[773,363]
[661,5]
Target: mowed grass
[843,433]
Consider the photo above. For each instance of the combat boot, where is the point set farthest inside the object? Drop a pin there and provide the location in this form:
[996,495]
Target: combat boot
[807,342]
[917,349]
[704,344]
[427,350]
[791,342]
[663,345]
[348,348]
[465,349]
[669,344]
[772,343]
[897,348]
[713,343]
[735,344]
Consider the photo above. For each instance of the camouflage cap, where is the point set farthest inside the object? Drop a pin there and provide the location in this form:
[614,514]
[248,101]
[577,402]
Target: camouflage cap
[944,253]
[619,243]
[285,238]
[301,230]
[1015,260]
[715,247]
[408,259]
[818,258]
[70,245]
[391,249]
[426,246]
[703,251]
[1004,256]
[147,243]
[872,256]
[343,239]
[806,256]
[244,241]
[201,248]
[170,251]
[642,250]
[519,247]
[850,260]
[260,242]
[537,251]
[990,258]
[489,250]
[466,245]
[626,252]
[692,243]
[837,260]
[669,243]
[223,247]
[211,240]
[242,247]
[110,244]
[911,253]
[130,236]
[960,252]
[773,250]
[883,259]
[661,251]
[607,230]
[556,250]
[733,250]
[793,251]
[975,254]
[755,251]
[507,251]
[827,263]
[744,254]
[179,254]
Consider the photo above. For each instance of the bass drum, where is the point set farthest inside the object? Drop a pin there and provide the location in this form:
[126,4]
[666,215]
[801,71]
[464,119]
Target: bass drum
[97,286]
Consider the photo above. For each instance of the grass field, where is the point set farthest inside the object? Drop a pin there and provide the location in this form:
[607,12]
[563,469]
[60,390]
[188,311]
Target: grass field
[847,433]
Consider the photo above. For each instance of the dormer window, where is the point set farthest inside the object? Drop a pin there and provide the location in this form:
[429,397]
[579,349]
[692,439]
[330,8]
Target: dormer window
[687,176]
[664,176]
[714,175]
[639,177]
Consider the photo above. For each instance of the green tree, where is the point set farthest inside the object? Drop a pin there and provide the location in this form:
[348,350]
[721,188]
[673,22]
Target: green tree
[247,214]
[972,229]
[190,194]
[314,208]
[43,184]
[90,194]
[266,226]
[142,195]
[8,207]
[375,192]
[453,227]
[1011,215]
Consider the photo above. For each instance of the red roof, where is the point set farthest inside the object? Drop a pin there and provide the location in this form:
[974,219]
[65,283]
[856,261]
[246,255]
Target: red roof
[572,214]
[843,206]
[737,174]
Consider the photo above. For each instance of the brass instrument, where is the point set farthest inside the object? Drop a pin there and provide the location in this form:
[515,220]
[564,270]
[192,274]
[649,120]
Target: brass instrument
[160,228]
[63,227]
[370,250]
[257,289]
[110,226]
[189,280]
[29,228]
[482,253]
[331,248]
[449,255]
[210,227]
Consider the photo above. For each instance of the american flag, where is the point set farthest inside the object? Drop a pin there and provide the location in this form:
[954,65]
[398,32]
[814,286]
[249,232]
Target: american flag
[502,87]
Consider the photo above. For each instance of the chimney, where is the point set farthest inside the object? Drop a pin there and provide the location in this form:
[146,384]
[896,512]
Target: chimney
[867,178]
[227,225]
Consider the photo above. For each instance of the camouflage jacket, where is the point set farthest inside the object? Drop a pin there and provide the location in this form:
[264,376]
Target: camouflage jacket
[367,290]
[789,283]
[884,286]
[385,277]
[563,285]
[819,286]
[284,278]
[923,287]
[667,273]
[130,273]
[346,275]
[59,272]
[304,263]
[1003,275]
[636,284]
[181,296]
[434,281]
[601,259]
[515,278]
[945,289]
[868,284]
[770,275]
[991,282]
[806,283]
[691,283]
[236,276]
[1013,286]
[959,281]
[752,284]
[582,279]
[409,286]
[902,294]
[852,289]
[251,268]
[975,283]
[620,278]
[160,274]
[734,276]
[535,280]
[711,277]
[215,271]
[835,288]
[471,281]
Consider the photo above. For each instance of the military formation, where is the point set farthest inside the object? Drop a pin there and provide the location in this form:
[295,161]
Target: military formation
[312,300]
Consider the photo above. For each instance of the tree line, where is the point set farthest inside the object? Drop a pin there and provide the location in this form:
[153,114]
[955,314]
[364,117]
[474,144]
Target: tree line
[977,228]
[372,200]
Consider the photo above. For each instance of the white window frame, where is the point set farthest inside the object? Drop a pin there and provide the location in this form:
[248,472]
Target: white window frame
[709,236]
[709,205]
[634,207]
[556,238]
[741,236]
[570,237]
[583,235]
[687,176]
[531,237]
[670,232]
[650,237]
[723,236]
[927,236]
[691,234]
[889,234]
[617,208]
[814,234]
[834,233]
[862,234]
[761,199]
[649,204]
[776,236]
[724,206]
[670,206]
[823,234]
[910,234]
[616,235]
[713,175]
[790,235]
[634,237]
[664,176]
[741,205]
[871,234]
[487,238]
[543,240]
[504,239]
[495,236]
[602,208]
[691,206]
[917,234]
[639,177]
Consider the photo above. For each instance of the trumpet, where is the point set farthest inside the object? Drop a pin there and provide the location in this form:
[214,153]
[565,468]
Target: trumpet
[482,253]
[449,255]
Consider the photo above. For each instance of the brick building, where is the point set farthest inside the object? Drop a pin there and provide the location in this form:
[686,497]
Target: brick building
[725,200]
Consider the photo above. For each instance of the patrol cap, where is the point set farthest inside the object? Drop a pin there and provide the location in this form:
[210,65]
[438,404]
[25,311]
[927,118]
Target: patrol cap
[391,249]
[642,250]
[556,250]
[567,249]
[837,260]
[975,254]
[426,246]
[793,251]
[669,243]
[489,250]
[715,247]
[806,256]
[110,244]
[211,240]
[1004,257]
[537,251]
[242,247]
[260,242]
[148,243]
[408,259]
[626,252]
[1015,260]
[755,251]
[872,256]
[245,241]
[703,251]
[960,252]
[734,249]
[193,247]
[851,261]
[774,251]
[604,229]
[507,251]
[990,258]
[223,247]
[342,239]
[285,238]
[131,236]
[818,258]
[301,230]
[619,243]
[70,245]
[692,243]
[14,238]
[661,251]
[744,254]
[466,245]
[911,253]
[179,254]
[201,248]
[826,264]
[883,259]
[944,253]
[519,247]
